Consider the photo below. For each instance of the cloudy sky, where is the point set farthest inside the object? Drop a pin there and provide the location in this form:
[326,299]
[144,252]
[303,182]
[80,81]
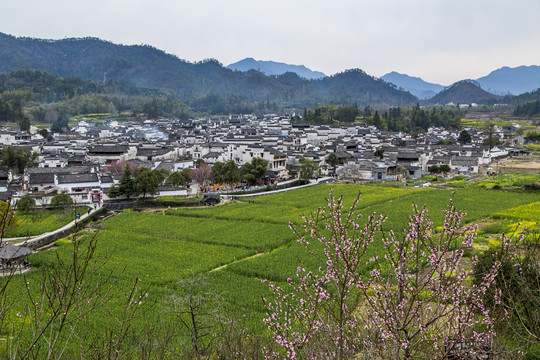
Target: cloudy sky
[442,41]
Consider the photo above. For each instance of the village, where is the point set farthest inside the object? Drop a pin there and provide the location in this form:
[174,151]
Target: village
[76,163]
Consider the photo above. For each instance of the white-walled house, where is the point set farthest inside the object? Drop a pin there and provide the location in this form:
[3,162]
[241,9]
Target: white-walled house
[79,186]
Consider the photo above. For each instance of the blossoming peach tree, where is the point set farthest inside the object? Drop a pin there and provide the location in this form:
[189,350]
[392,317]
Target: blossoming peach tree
[413,300]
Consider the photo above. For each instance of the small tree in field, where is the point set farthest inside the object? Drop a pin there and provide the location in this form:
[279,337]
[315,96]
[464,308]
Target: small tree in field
[26,204]
[419,301]
[62,202]
[319,309]
[202,174]
[415,302]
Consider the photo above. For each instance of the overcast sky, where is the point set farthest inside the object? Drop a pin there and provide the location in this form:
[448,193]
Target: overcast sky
[442,41]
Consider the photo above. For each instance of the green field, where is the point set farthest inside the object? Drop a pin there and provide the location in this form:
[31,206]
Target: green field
[42,221]
[222,241]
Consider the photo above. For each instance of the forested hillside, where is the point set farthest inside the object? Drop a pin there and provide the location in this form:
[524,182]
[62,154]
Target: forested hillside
[464,92]
[193,83]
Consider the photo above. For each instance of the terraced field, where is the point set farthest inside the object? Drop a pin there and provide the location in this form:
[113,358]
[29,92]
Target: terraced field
[221,241]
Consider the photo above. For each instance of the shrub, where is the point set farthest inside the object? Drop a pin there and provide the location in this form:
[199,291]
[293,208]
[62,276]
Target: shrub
[61,202]
[26,204]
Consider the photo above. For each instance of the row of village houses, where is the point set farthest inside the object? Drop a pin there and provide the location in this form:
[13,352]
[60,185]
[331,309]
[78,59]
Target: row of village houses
[75,163]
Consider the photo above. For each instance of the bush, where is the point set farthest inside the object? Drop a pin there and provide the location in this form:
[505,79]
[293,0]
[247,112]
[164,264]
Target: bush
[26,204]
[61,202]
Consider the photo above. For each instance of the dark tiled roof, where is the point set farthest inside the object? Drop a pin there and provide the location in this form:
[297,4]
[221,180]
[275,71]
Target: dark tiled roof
[9,252]
[47,178]
[153,151]
[77,178]
[106,179]
[108,149]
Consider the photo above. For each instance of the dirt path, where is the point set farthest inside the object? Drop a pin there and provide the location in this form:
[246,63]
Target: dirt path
[237,261]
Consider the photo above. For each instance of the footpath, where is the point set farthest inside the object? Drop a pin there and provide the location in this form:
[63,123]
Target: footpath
[37,241]
[312,182]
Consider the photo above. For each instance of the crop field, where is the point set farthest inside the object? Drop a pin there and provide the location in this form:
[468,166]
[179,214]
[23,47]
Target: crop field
[484,124]
[41,222]
[240,243]
[509,181]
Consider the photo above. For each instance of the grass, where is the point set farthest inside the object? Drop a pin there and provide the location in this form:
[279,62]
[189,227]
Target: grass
[508,181]
[42,221]
[162,248]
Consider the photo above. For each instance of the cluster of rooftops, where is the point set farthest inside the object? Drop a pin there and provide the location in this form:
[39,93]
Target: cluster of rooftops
[76,162]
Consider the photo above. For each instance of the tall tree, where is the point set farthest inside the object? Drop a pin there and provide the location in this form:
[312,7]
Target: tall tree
[464,137]
[179,178]
[332,160]
[230,172]
[126,185]
[146,181]
[307,169]
[254,170]
[202,174]
[17,159]
[217,172]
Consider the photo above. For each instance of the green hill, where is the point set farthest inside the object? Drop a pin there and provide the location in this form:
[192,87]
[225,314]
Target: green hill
[147,67]
[464,92]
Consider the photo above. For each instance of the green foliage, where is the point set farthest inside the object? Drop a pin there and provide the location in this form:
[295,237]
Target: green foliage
[330,114]
[179,178]
[126,185]
[206,86]
[307,168]
[146,181]
[160,249]
[41,221]
[457,183]
[165,107]
[26,204]
[62,202]
[8,219]
[444,168]
[491,141]
[528,109]
[379,153]
[400,119]
[45,133]
[332,160]
[24,124]
[254,170]
[533,136]
[509,181]
[230,172]
[464,137]
[217,172]
[17,159]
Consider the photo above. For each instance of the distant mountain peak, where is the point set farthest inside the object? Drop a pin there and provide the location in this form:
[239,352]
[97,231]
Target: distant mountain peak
[515,81]
[464,92]
[415,85]
[275,68]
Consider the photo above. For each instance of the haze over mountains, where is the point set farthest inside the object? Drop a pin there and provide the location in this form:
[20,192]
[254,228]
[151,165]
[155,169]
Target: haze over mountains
[502,81]
[202,83]
[275,68]
[416,86]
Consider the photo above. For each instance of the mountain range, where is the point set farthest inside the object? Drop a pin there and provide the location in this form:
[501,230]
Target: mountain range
[503,81]
[205,83]
[275,68]
[415,85]
[194,83]
[464,92]
[513,81]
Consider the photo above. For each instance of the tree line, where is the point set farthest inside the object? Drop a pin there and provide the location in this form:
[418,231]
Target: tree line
[528,109]
[417,118]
